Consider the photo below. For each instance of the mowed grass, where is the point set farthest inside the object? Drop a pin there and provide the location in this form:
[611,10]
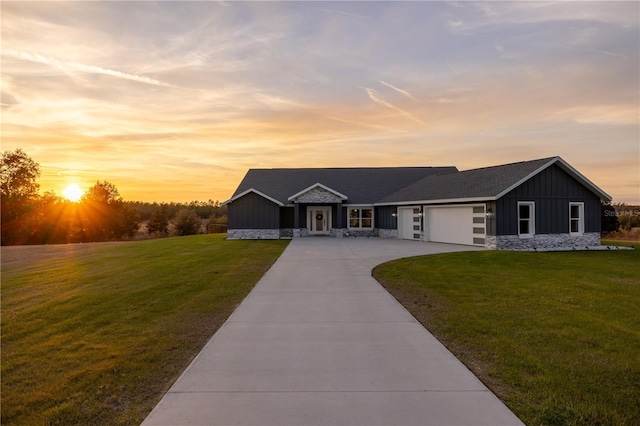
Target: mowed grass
[96,336]
[555,335]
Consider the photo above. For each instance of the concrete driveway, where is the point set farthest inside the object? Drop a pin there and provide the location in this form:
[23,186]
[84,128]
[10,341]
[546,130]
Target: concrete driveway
[319,342]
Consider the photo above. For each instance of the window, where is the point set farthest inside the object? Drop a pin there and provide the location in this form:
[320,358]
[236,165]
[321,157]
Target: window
[479,224]
[360,218]
[576,218]
[526,219]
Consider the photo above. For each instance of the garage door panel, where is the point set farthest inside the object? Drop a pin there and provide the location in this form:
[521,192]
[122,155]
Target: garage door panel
[450,225]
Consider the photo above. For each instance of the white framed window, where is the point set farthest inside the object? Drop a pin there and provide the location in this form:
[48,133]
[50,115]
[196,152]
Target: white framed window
[576,218]
[526,219]
[360,218]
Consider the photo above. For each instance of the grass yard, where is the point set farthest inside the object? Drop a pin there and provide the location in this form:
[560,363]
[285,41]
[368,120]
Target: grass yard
[555,335]
[94,334]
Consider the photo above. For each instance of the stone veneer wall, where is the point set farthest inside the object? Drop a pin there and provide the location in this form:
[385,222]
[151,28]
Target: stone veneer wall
[491,242]
[253,234]
[302,232]
[318,195]
[337,232]
[361,233]
[388,233]
[545,241]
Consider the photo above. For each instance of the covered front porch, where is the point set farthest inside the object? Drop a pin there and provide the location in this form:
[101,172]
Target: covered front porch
[318,210]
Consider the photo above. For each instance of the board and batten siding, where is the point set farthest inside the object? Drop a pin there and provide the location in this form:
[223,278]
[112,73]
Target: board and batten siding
[552,190]
[384,218]
[286,217]
[253,212]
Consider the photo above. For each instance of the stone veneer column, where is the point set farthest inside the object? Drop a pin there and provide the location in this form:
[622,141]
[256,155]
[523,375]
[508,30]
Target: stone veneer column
[388,233]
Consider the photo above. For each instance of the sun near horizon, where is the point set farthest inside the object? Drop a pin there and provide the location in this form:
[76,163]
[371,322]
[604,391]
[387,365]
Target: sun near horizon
[73,192]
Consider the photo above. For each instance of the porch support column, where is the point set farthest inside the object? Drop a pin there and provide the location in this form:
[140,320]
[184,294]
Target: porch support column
[339,219]
[296,219]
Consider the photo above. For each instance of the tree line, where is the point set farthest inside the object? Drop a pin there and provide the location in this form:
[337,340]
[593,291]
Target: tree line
[100,215]
[624,222]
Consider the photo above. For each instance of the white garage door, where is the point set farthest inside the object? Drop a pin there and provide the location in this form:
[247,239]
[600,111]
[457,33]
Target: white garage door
[455,224]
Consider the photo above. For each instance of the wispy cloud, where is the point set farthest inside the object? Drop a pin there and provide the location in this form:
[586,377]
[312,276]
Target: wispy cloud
[341,12]
[601,52]
[276,102]
[375,97]
[397,89]
[602,114]
[454,25]
[455,71]
[205,90]
[76,66]
[360,123]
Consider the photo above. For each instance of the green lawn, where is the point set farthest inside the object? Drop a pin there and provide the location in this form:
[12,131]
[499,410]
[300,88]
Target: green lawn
[555,335]
[97,333]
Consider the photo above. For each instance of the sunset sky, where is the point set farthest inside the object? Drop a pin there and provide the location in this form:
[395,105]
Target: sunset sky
[174,101]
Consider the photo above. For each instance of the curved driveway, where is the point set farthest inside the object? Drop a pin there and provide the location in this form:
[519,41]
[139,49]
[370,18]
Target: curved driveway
[318,341]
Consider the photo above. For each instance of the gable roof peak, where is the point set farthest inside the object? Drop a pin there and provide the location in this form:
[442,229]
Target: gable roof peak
[335,193]
[254,191]
[360,185]
[485,183]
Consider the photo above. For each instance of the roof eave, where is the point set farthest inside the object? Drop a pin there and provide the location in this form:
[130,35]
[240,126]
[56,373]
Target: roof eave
[316,185]
[255,191]
[438,201]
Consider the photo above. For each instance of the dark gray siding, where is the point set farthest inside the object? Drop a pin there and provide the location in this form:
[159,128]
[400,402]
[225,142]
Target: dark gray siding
[384,219]
[302,215]
[334,216]
[491,220]
[345,216]
[552,190]
[286,217]
[253,212]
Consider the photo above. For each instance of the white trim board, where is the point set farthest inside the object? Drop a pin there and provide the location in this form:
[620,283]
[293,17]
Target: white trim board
[255,191]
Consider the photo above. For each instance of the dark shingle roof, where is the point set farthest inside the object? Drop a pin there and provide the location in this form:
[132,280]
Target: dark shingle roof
[477,183]
[361,185]
[392,185]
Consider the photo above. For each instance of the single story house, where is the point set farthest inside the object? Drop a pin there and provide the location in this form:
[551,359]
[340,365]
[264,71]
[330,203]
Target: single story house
[534,204]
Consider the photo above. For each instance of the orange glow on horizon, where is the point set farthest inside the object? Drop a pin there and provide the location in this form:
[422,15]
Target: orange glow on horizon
[184,121]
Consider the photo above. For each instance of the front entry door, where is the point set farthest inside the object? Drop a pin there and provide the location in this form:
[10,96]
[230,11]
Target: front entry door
[319,220]
[409,223]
